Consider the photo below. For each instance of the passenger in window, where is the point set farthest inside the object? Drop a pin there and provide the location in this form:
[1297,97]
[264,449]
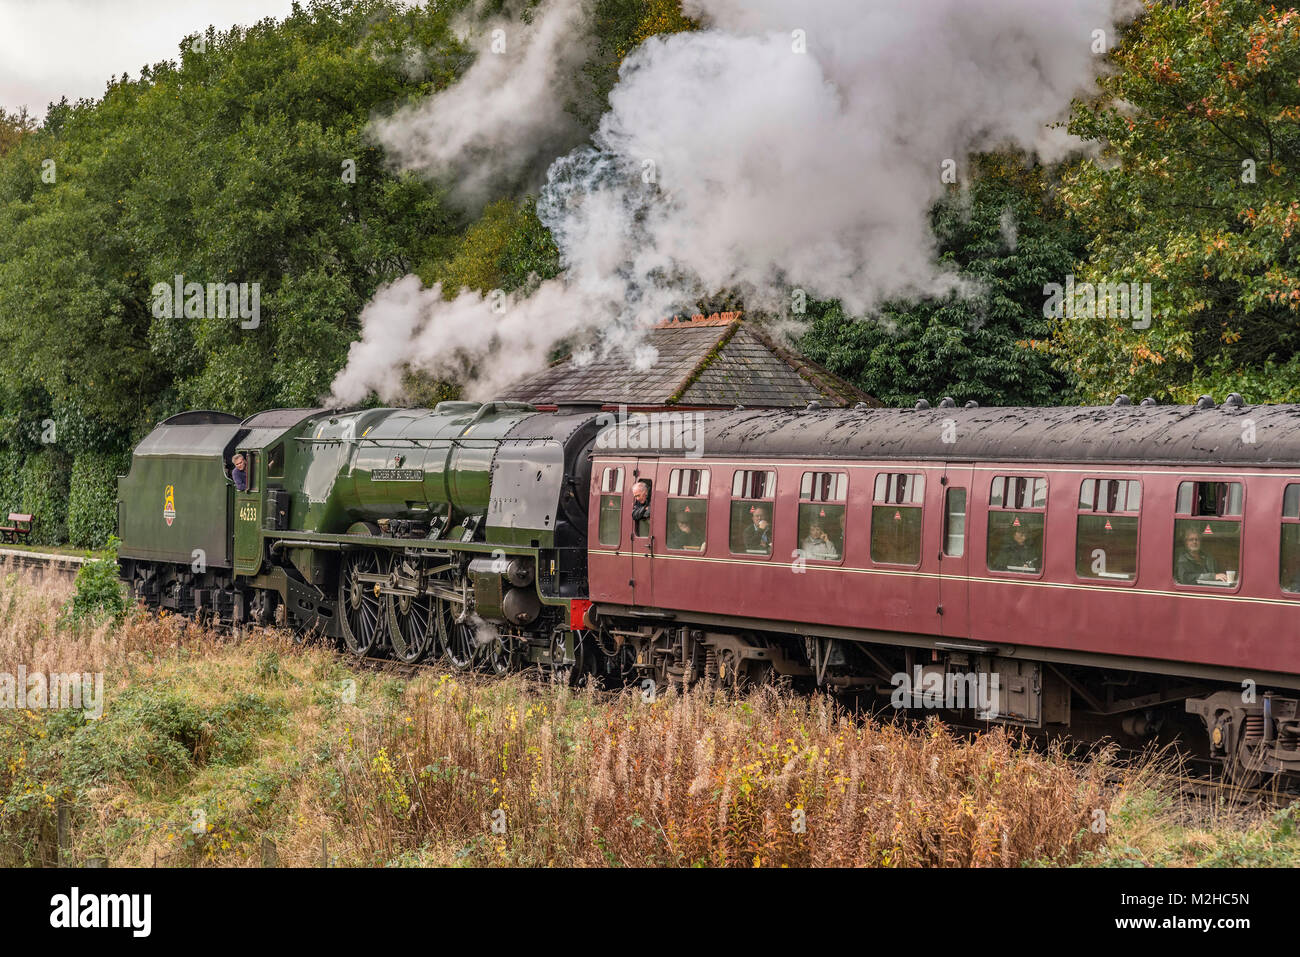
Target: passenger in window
[1017,555]
[758,534]
[818,544]
[685,535]
[641,506]
[1194,566]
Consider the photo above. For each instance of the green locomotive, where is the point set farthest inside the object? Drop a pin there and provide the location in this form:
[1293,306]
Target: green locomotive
[457,531]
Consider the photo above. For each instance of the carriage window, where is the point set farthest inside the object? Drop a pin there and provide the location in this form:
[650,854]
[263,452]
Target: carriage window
[688,482]
[611,506]
[1289,572]
[1017,511]
[821,519]
[896,518]
[954,523]
[1107,529]
[1011,491]
[688,509]
[752,493]
[1207,533]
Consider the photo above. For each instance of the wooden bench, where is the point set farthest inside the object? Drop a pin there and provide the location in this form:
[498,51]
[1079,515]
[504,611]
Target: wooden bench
[19,527]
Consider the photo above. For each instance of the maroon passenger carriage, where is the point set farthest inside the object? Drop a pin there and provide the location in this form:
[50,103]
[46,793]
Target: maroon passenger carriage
[1130,563]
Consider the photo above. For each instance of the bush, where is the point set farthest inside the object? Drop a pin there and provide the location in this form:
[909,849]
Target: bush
[45,495]
[92,497]
[99,590]
[11,485]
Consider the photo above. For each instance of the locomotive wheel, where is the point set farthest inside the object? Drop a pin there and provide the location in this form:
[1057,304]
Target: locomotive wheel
[364,621]
[460,637]
[497,655]
[261,610]
[413,627]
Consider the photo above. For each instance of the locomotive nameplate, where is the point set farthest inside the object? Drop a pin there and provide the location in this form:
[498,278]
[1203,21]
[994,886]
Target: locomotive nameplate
[397,475]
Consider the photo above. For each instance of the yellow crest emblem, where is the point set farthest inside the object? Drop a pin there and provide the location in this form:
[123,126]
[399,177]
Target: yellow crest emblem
[169,504]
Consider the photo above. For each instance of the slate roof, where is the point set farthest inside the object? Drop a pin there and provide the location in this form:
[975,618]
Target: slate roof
[717,361]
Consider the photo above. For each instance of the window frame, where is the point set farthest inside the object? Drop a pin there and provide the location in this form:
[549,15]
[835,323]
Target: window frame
[768,499]
[891,491]
[1225,589]
[990,509]
[841,487]
[253,459]
[1284,521]
[945,529]
[1079,512]
[670,497]
[601,494]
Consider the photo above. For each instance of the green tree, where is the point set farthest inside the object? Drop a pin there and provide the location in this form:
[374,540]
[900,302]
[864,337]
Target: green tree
[1196,193]
[92,497]
[244,161]
[13,127]
[1005,236]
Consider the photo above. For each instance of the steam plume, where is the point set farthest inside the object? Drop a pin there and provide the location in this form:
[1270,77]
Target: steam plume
[785,145]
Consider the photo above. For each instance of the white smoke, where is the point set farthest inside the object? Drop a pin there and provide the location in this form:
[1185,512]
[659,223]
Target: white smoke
[786,145]
[505,120]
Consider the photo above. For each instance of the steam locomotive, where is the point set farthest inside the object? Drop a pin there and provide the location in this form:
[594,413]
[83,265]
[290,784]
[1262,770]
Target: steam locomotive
[1133,567]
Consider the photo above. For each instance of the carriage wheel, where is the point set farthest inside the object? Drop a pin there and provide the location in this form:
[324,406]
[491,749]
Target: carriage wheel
[413,627]
[365,624]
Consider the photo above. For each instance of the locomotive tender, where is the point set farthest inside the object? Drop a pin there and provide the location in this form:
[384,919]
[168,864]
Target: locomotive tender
[1125,567]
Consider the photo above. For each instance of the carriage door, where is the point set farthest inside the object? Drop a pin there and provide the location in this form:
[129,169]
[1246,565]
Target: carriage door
[641,535]
[248,520]
[954,552]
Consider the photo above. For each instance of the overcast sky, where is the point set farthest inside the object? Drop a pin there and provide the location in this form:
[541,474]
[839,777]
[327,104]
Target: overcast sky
[55,48]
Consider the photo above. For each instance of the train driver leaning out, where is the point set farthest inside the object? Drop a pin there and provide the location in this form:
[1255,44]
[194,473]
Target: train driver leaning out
[239,474]
[758,534]
[641,506]
[1017,554]
[1197,567]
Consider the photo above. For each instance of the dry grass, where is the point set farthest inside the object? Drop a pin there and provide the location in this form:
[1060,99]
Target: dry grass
[211,743]
[701,778]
